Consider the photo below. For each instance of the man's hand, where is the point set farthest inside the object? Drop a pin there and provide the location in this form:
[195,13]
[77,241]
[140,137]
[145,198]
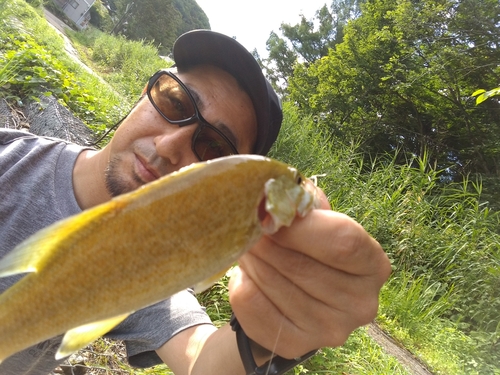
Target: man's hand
[309,285]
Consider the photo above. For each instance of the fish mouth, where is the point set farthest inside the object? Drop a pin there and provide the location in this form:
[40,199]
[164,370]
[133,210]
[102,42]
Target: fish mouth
[267,222]
[261,210]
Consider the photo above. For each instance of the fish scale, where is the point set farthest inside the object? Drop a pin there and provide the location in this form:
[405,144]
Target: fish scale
[138,249]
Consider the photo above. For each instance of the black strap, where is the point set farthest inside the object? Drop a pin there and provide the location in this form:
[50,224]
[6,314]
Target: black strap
[275,366]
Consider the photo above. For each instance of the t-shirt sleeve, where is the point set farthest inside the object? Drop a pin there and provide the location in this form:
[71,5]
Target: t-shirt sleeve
[148,329]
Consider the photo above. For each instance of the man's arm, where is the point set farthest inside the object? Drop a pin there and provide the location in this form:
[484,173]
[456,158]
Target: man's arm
[205,350]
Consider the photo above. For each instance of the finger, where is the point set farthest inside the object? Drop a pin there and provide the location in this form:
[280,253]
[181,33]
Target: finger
[335,240]
[324,204]
[264,323]
[285,320]
[334,288]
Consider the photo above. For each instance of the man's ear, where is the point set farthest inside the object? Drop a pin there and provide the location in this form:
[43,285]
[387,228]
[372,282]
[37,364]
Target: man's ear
[144,90]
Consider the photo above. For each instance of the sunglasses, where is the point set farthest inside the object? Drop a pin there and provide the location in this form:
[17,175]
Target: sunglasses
[176,104]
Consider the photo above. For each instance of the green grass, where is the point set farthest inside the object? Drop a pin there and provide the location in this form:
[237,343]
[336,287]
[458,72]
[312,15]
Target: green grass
[412,311]
[443,298]
[359,355]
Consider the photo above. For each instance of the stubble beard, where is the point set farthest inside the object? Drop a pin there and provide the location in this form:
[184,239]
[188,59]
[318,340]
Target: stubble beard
[115,183]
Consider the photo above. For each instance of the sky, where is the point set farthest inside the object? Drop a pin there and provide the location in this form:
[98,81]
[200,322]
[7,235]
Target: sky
[252,21]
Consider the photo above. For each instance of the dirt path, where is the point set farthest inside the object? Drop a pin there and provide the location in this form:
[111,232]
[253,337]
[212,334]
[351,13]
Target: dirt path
[408,360]
[60,27]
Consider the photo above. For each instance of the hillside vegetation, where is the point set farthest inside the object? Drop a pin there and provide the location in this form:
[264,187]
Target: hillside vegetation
[442,236]
[142,21]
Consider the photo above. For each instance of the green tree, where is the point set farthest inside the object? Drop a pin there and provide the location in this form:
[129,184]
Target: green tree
[161,21]
[193,17]
[307,41]
[403,78]
[280,64]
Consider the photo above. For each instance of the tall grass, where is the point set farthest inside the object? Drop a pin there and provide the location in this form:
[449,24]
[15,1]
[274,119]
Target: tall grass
[413,310]
[443,243]
[125,64]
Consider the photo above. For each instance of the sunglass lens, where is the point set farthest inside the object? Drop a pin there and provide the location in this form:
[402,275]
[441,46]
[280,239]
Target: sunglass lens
[208,144]
[171,99]
[175,104]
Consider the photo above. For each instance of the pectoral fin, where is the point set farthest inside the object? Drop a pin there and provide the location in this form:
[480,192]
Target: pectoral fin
[80,337]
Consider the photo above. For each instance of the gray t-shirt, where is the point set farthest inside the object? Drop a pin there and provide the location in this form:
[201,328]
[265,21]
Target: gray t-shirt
[36,189]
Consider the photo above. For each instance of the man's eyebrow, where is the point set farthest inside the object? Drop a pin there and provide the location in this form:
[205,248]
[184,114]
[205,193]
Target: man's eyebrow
[219,125]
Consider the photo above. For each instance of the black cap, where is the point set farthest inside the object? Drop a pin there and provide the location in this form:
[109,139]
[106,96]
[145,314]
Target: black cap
[209,47]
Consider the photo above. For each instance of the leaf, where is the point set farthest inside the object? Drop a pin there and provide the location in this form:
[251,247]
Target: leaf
[477,92]
[481,98]
[483,94]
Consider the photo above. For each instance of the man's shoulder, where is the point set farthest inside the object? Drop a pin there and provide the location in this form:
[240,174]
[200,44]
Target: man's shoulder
[28,140]
[25,150]
[9,135]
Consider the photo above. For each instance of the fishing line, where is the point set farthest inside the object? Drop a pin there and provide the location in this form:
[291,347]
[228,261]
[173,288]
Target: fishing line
[280,329]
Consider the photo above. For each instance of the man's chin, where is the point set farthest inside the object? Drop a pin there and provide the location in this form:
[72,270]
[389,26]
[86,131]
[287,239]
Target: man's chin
[117,182]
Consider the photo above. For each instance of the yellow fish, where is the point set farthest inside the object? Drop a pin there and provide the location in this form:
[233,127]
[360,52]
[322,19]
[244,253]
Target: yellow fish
[88,272]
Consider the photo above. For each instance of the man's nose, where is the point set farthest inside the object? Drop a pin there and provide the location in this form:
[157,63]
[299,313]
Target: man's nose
[175,146]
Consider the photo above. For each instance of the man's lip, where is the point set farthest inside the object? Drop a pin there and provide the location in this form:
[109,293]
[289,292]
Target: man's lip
[146,172]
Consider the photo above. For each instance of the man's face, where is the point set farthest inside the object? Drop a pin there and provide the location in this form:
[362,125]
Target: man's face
[146,146]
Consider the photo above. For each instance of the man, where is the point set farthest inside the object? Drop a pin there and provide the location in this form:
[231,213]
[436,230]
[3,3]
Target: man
[216,103]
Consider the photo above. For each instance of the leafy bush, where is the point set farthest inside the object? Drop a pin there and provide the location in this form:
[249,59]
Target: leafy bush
[29,69]
[100,18]
[35,3]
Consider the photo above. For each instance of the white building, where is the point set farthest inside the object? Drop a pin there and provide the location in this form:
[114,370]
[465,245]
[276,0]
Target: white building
[77,11]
